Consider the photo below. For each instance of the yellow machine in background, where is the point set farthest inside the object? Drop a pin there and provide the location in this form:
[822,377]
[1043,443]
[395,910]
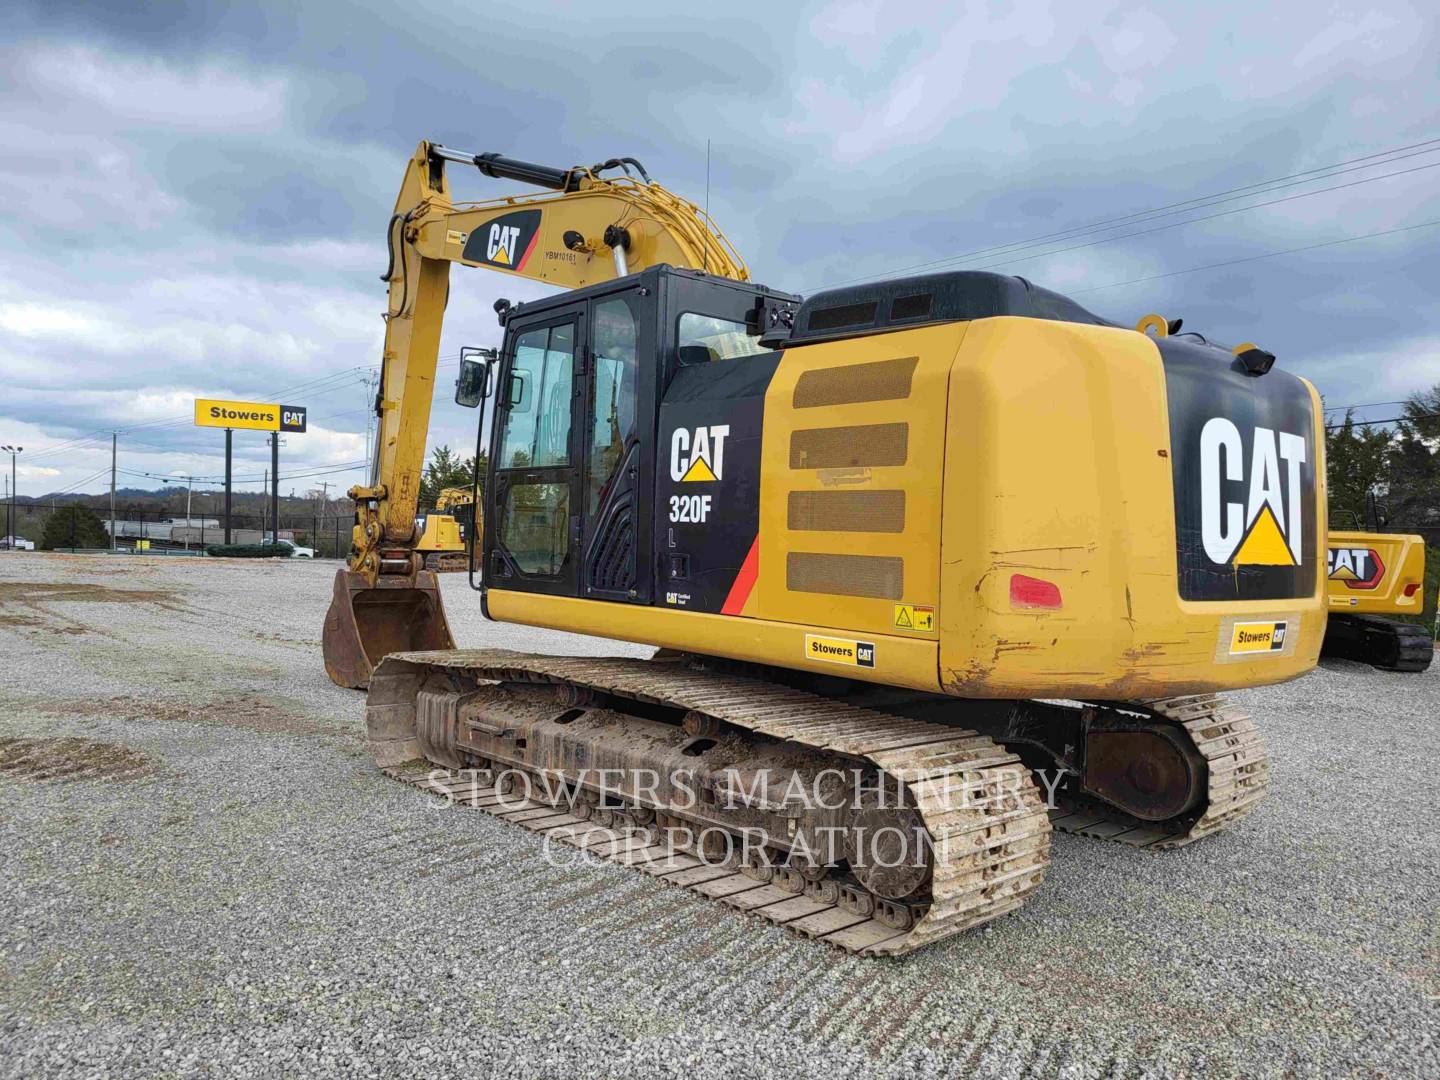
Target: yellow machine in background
[443,542]
[1371,575]
[951,549]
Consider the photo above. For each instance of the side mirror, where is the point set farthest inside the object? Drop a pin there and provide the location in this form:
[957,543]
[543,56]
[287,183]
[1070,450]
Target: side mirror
[473,385]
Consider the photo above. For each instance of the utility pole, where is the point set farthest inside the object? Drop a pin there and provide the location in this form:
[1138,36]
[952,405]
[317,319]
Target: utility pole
[114,438]
[372,382]
[10,520]
[264,507]
[275,487]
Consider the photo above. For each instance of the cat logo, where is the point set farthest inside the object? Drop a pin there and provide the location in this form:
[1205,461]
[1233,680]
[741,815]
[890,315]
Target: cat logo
[698,454]
[1359,568]
[505,243]
[501,245]
[1250,508]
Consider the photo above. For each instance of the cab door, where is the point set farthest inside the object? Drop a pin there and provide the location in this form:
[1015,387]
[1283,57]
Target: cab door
[537,496]
[618,446]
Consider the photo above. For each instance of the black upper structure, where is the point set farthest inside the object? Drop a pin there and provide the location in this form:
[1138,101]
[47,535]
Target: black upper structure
[901,303]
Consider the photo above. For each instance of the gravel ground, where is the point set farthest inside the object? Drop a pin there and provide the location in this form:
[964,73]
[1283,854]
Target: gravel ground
[231,888]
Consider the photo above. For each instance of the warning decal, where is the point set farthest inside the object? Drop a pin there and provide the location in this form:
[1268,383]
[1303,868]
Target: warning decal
[915,617]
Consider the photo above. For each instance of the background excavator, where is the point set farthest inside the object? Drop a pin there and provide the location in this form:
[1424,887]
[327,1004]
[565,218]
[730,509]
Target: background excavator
[443,540]
[1371,575]
[951,551]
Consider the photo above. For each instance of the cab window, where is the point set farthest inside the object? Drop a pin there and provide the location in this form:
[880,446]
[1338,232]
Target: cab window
[707,338]
[616,372]
[537,414]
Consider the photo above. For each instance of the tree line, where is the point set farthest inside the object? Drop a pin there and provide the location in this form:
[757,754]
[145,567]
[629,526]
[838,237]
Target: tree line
[1387,478]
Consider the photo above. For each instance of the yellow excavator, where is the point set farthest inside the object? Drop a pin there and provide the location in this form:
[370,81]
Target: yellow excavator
[442,541]
[1371,575]
[934,565]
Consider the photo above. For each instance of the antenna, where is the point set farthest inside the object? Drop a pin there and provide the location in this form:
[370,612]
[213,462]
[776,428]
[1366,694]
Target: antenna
[706,262]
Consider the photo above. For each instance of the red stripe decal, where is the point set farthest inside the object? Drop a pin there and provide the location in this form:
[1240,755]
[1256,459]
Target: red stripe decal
[528,249]
[744,581]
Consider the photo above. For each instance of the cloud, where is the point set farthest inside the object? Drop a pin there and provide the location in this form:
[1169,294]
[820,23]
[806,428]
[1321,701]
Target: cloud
[145,90]
[195,196]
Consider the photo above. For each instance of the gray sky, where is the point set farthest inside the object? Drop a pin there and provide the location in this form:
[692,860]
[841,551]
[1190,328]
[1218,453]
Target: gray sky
[193,197]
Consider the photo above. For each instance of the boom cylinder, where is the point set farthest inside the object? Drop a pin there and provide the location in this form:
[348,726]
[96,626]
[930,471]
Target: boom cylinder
[504,168]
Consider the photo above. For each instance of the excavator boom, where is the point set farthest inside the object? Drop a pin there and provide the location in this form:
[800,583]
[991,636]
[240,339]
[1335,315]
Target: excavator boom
[589,227]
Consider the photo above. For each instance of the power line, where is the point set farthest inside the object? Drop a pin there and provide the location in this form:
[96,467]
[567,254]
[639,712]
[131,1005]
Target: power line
[72,444]
[1391,420]
[215,478]
[1207,217]
[1171,208]
[1257,258]
[1362,405]
[81,483]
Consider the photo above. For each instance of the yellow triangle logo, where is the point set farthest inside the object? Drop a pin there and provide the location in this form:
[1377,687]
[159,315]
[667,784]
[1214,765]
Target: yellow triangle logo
[1344,573]
[1265,544]
[501,255]
[698,470]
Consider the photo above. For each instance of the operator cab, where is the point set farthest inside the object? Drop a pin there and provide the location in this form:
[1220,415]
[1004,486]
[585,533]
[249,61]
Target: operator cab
[587,387]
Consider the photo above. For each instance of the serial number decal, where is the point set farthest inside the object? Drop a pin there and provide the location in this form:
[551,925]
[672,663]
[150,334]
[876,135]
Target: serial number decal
[1258,637]
[845,651]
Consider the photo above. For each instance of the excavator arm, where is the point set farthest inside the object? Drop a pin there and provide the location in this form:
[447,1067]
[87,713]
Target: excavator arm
[594,224]
[454,497]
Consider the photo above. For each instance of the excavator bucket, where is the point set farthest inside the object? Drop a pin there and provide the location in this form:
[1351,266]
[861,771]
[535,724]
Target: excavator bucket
[367,622]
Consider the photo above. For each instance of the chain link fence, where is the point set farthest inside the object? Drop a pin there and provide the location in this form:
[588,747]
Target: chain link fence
[327,535]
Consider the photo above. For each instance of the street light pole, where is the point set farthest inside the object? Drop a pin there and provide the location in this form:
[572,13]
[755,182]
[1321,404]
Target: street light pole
[10,519]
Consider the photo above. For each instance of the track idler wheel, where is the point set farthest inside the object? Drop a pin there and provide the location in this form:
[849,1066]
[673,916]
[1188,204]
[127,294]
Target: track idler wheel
[1149,771]
[889,849]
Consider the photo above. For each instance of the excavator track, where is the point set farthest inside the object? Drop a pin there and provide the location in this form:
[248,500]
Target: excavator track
[1238,774]
[447,562]
[1383,643]
[985,823]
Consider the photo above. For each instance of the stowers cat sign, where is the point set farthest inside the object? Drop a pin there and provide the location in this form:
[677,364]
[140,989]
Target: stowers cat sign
[249,414]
